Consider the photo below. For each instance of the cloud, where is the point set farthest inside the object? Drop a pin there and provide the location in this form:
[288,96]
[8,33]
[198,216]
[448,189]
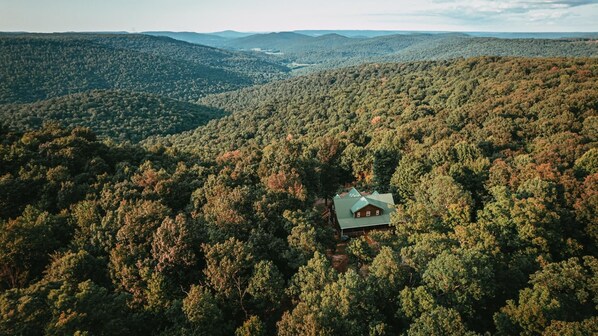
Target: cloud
[490,11]
[484,8]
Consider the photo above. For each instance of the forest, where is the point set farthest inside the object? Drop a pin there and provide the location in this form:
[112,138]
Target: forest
[116,114]
[78,62]
[333,50]
[198,227]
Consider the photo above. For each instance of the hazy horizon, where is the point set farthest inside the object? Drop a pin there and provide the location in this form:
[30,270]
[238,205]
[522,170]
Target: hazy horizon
[512,16]
[297,31]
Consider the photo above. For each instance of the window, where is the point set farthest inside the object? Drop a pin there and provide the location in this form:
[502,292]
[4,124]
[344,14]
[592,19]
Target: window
[358,214]
[367,213]
[377,212]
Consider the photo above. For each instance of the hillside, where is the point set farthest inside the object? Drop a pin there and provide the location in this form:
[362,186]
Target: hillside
[330,51]
[191,37]
[271,41]
[492,163]
[119,115]
[346,102]
[40,66]
[464,47]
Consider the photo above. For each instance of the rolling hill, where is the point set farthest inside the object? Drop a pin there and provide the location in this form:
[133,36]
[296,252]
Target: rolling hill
[398,102]
[191,37]
[492,163]
[39,66]
[120,115]
[332,50]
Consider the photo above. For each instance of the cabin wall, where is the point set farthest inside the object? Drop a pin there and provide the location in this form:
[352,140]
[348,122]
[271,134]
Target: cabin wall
[363,212]
[356,232]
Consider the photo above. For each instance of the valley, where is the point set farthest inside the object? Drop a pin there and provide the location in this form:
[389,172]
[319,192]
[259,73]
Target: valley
[309,182]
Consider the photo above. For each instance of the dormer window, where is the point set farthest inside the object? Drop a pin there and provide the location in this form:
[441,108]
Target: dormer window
[377,212]
[368,213]
[358,214]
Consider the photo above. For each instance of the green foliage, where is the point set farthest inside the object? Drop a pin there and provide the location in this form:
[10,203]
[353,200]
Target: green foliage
[224,229]
[65,308]
[202,312]
[266,286]
[333,50]
[439,321]
[304,239]
[131,62]
[409,171]
[359,249]
[460,281]
[26,243]
[251,327]
[588,163]
[120,115]
[560,292]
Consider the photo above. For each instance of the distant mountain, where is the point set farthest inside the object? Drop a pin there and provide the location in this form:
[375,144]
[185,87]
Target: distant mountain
[356,33]
[40,66]
[271,41]
[231,34]
[554,35]
[460,46]
[322,50]
[120,115]
[377,33]
[197,38]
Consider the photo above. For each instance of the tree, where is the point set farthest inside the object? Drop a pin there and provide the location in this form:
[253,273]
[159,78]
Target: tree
[414,302]
[172,245]
[439,322]
[387,273]
[266,287]
[304,239]
[385,164]
[461,280]
[406,177]
[87,308]
[77,267]
[26,243]
[439,205]
[228,271]
[201,310]
[310,280]
[360,250]
[252,327]
[131,258]
[561,292]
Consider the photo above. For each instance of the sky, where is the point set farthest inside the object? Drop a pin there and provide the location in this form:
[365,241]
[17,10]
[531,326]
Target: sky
[280,15]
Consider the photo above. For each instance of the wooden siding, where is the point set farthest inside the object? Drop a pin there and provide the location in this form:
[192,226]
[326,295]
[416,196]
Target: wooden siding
[371,208]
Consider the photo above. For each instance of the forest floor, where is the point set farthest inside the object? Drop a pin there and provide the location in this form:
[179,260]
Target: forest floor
[340,259]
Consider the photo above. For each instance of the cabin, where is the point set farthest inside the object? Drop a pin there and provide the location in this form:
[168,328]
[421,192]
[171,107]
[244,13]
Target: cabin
[355,212]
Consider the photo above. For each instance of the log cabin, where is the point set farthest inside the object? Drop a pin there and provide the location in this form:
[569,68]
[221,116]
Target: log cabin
[355,212]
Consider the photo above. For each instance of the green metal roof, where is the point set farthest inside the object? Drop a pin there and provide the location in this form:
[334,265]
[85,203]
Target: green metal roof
[354,193]
[344,214]
[365,201]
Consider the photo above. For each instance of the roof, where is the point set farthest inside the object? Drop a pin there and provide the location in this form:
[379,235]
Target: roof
[344,207]
[354,193]
[365,201]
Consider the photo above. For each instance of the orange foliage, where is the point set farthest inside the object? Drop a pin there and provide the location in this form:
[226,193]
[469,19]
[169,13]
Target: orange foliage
[291,184]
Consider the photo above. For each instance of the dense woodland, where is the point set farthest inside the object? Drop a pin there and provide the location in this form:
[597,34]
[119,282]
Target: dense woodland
[331,51]
[40,66]
[138,198]
[120,115]
[493,163]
